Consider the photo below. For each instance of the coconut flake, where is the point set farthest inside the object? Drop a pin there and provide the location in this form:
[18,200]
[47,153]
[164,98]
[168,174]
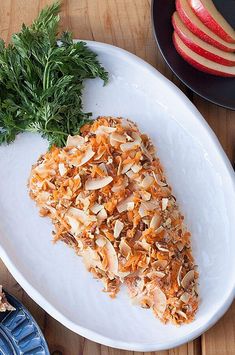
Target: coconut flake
[158,181]
[147,181]
[101,242]
[145,195]
[102,215]
[96,208]
[117,188]
[164,203]
[91,259]
[75,141]
[160,264]
[187,279]
[185,297]
[104,130]
[124,248]
[122,206]
[130,206]
[118,137]
[118,227]
[111,256]
[159,301]
[98,183]
[136,168]
[129,146]
[142,210]
[179,275]
[155,221]
[102,166]
[62,169]
[126,168]
[86,157]
[130,174]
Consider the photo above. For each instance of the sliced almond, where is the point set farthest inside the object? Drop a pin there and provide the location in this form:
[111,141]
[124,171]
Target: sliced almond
[98,183]
[159,301]
[75,141]
[187,279]
[118,227]
[86,157]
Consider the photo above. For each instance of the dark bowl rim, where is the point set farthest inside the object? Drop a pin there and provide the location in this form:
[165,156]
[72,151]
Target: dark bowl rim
[232,108]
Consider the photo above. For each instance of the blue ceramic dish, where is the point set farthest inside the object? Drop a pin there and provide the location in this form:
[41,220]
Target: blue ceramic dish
[19,332]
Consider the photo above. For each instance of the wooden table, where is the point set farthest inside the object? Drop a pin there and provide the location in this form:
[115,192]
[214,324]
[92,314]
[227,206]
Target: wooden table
[126,24]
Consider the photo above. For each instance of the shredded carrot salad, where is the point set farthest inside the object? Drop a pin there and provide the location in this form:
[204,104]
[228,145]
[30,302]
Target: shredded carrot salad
[108,198]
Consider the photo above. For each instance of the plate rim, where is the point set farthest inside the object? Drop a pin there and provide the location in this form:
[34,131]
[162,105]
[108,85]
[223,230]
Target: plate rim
[93,335]
[15,302]
[232,108]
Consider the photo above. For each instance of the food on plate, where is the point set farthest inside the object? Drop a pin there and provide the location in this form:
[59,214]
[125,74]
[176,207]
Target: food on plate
[199,46]
[212,18]
[108,198]
[4,304]
[42,79]
[199,62]
[196,26]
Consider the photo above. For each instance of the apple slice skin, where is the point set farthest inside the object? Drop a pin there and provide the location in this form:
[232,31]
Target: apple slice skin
[199,50]
[197,31]
[209,21]
[195,64]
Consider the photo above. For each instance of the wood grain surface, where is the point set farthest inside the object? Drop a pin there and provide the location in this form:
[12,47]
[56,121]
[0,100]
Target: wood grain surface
[127,24]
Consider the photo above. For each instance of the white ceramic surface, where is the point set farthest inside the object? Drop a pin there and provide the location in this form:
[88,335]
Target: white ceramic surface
[203,182]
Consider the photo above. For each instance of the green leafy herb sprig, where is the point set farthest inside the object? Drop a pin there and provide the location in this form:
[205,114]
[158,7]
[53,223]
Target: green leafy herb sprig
[41,81]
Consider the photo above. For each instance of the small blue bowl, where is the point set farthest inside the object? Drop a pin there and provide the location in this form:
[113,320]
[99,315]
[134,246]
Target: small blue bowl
[19,332]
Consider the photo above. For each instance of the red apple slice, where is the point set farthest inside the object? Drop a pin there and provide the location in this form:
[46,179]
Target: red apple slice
[200,47]
[195,25]
[200,62]
[210,16]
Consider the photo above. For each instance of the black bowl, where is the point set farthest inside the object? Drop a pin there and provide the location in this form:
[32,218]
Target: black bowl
[220,91]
